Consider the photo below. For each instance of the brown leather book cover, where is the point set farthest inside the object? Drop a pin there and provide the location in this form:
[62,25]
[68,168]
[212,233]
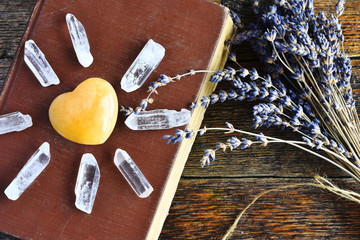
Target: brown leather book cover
[192,32]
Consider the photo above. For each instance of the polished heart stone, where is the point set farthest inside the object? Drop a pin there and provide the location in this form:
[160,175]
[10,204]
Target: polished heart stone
[88,114]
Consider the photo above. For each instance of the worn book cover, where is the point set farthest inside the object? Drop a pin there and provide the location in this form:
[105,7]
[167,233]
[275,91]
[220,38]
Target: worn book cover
[192,33]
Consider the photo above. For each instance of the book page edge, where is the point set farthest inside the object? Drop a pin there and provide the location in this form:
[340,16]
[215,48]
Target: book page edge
[218,61]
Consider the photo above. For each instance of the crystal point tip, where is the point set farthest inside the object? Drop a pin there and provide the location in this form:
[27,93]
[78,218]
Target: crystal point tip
[158,119]
[147,192]
[31,170]
[79,40]
[147,60]
[132,174]
[14,122]
[87,183]
[38,64]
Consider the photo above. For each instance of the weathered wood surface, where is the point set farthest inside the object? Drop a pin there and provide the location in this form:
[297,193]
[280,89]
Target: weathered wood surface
[208,200]
[205,208]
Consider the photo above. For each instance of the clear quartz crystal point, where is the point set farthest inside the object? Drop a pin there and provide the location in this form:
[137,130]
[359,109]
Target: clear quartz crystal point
[147,60]
[79,40]
[15,121]
[132,174]
[158,119]
[38,64]
[34,166]
[87,183]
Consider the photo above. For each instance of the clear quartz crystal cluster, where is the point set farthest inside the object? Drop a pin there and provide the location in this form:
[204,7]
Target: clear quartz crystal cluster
[36,61]
[132,173]
[158,119]
[79,40]
[14,122]
[87,183]
[32,169]
[147,60]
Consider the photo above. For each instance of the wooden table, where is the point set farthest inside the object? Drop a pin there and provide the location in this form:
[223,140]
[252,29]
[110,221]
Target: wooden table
[208,200]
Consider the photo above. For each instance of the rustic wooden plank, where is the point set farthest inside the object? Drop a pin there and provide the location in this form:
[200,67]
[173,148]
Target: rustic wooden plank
[204,209]
[13,19]
[4,236]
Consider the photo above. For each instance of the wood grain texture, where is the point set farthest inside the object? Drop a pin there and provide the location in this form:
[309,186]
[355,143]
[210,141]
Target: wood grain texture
[208,200]
[13,19]
[205,208]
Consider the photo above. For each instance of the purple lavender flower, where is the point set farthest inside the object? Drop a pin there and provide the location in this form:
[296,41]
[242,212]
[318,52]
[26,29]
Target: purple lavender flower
[307,85]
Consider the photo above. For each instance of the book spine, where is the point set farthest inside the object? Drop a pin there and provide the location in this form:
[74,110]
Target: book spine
[217,62]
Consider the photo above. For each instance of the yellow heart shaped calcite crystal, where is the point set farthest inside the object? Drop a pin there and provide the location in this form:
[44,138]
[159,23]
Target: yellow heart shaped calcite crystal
[88,114]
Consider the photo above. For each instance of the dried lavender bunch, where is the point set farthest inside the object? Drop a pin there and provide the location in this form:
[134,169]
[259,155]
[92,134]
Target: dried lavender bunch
[307,88]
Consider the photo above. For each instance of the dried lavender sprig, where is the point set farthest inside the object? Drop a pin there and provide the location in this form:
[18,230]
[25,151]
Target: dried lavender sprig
[161,82]
[339,8]
[332,115]
[293,123]
[234,143]
[254,91]
[236,19]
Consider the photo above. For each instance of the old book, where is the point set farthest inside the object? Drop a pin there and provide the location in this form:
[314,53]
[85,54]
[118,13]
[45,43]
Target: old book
[193,33]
